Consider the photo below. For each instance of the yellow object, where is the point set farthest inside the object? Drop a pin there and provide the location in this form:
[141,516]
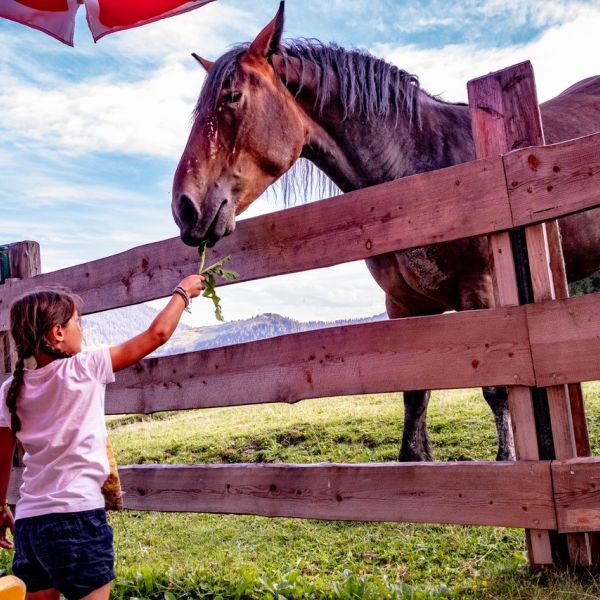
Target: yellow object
[11,588]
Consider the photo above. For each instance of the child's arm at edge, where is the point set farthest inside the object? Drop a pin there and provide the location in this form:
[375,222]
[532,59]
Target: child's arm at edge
[7,450]
[162,328]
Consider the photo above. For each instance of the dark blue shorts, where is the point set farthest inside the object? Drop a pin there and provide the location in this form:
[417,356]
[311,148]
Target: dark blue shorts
[72,552]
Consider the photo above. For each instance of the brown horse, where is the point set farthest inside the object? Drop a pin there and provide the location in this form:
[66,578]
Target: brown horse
[361,121]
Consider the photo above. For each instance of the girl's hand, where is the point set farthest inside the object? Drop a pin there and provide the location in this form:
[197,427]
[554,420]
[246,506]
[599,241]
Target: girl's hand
[7,523]
[193,285]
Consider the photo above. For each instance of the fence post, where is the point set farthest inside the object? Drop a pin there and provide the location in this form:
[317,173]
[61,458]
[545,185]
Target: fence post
[505,116]
[18,261]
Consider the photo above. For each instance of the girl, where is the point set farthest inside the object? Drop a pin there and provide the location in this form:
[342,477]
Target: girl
[63,542]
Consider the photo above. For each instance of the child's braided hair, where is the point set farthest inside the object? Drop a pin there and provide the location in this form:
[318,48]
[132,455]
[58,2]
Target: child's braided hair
[31,318]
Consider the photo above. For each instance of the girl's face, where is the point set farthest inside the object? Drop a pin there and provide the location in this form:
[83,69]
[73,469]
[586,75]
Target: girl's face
[69,338]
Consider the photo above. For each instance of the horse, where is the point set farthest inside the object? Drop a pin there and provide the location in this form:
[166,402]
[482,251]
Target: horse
[361,121]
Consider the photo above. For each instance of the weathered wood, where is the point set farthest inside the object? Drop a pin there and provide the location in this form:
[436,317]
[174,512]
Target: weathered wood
[549,280]
[471,493]
[565,340]
[503,272]
[455,350]
[543,181]
[404,213]
[539,262]
[582,440]
[23,262]
[577,493]
[504,118]
[523,422]
[564,336]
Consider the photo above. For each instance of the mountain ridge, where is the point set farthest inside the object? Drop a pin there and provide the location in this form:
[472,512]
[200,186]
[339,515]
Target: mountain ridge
[116,326]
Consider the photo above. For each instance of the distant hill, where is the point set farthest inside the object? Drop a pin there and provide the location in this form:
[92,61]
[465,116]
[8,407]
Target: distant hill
[116,326]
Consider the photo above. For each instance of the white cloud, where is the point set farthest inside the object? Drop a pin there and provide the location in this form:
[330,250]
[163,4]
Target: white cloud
[560,57]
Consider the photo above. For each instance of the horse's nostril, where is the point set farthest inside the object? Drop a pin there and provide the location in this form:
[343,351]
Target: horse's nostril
[187,211]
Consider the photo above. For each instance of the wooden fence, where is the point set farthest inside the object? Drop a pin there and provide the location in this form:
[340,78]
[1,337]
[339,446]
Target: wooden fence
[543,345]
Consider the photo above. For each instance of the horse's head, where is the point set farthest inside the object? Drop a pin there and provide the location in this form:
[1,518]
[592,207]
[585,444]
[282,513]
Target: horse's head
[247,132]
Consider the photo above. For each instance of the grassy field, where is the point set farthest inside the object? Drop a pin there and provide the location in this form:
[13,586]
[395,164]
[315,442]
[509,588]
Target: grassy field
[172,555]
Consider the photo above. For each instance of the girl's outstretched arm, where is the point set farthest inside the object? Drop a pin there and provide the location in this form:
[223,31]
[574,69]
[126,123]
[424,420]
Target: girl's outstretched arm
[7,450]
[161,329]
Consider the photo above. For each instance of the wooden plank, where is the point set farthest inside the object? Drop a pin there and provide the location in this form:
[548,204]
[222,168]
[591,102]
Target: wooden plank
[405,213]
[504,118]
[472,493]
[548,182]
[577,492]
[582,439]
[503,272]
[539,263]
[23,262]
[565,340]
[467,349]
[523,420]
[563,434]
[549,280]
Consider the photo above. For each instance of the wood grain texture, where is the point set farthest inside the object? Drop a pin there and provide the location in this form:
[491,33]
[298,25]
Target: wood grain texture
[543,181]
[24,262]
[472,493]
[577,493]
[505,116]
[467,349]
[565,340]
[506,292]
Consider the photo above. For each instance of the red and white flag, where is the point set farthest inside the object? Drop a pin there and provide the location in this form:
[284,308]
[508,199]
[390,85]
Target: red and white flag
[108,16]
[57,17]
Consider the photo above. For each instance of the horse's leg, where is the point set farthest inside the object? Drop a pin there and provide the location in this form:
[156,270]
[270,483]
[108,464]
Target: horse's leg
[416,445]
[477,294]
[497,398]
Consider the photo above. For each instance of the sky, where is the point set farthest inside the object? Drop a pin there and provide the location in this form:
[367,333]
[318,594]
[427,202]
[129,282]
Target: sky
[90,136]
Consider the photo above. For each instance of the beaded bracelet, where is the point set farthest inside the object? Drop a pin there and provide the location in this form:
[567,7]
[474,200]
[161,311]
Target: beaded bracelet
[181,292]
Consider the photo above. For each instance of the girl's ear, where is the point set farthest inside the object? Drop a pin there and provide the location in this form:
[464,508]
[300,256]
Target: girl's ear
[56,334]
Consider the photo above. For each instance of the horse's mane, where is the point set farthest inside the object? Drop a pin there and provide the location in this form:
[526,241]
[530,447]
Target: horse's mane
[369,87]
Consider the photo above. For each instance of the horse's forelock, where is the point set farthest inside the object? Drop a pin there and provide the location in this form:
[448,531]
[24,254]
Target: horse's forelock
[223,69]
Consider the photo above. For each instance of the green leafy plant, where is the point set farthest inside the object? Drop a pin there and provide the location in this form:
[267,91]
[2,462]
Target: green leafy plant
[215,270]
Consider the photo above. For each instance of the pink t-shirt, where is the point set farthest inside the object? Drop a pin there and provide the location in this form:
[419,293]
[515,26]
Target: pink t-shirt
[63,433]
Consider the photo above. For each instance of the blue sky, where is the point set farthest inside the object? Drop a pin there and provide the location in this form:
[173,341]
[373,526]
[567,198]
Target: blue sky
[90,136]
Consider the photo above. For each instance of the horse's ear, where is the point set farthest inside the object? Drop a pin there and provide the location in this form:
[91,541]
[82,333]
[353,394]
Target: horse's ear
[267,41]
[207,64]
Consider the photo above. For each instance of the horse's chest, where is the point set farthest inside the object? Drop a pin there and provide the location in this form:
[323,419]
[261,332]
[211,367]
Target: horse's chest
[411,272]
[422,270]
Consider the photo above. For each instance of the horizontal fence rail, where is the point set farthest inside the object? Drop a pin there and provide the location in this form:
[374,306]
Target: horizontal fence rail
[514,494]
[524,187]
[551,343]
[544,344]
[577,494]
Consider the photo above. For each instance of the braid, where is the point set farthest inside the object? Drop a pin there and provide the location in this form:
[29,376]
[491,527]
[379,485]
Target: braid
[13,393]
[52,351]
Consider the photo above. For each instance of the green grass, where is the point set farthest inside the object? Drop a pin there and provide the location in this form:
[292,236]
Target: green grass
[168,555]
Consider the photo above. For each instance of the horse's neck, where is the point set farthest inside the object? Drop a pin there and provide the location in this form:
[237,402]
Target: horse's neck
[356,153]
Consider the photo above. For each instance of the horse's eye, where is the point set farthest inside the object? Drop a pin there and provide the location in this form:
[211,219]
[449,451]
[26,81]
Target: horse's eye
[232,97]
